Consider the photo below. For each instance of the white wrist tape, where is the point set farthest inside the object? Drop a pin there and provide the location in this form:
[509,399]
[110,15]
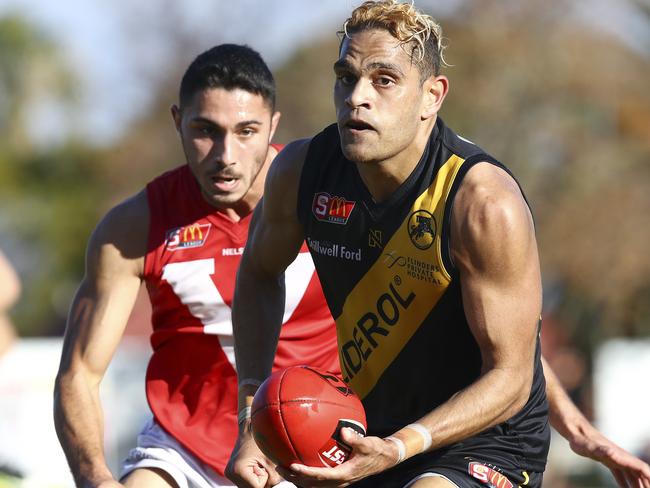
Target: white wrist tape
[249,381]
[244,414]
[401,448]
[424,432]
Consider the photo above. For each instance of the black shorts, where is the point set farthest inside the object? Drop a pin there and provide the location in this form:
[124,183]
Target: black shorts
[463,471]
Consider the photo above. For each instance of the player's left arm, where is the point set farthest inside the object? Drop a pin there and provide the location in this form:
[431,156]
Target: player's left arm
[494,248]
[274,239]
[588,441]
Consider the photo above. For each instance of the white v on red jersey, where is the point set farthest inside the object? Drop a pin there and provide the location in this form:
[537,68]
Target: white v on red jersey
[190,267]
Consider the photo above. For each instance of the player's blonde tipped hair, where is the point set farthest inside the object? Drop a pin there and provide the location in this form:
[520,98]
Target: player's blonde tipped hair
[406,24]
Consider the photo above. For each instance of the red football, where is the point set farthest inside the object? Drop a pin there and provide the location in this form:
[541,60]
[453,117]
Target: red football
[297,415]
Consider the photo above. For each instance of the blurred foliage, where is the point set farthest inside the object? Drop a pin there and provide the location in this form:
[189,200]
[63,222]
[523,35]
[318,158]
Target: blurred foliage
[564,105]
[31,72]
[567,109]
[304,86]
[51,193]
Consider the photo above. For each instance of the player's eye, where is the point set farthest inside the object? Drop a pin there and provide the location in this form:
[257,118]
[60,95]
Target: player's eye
[206,130]
[346,79]
[384,81]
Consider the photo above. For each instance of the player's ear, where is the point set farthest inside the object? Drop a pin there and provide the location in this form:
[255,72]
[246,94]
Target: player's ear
[435,90]
[275,120]
[176,115]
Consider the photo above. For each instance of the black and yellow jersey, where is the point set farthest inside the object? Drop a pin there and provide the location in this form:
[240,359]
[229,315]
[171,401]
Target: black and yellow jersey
[404,343]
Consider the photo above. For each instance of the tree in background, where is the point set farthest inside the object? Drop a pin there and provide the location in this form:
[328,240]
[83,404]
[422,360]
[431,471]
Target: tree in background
[32,75]
[564,104]
[567,107]
[48,192]
[571,114]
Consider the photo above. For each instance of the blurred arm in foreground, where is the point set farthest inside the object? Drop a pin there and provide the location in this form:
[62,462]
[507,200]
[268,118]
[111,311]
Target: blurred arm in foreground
[588,441]
[9,294]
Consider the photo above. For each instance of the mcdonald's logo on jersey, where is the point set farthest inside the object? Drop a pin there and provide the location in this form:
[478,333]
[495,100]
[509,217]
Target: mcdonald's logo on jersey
[186,237]
[333,209]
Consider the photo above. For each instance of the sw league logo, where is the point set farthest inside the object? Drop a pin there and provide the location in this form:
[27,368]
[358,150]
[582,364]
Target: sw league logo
[187,237]
[332,209]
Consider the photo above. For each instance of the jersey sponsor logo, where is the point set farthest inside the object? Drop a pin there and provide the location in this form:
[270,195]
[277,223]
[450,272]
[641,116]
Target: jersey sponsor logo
[415,268]
[422,229]
[334,250]
[372,326]
[335,450]
[375,238]
[232,251]
[187,237]
[364,351]
[489,476]
[333,209]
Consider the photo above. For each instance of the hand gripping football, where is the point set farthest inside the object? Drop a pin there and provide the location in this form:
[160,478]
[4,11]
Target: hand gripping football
[297,415]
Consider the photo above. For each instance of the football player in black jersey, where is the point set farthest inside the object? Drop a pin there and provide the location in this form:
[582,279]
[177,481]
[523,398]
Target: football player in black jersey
[388,159]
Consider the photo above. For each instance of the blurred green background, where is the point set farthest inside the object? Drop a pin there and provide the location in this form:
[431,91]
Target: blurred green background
[559,91]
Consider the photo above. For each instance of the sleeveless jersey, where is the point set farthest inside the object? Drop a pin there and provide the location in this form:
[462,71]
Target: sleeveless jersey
[404,343]
[193,255]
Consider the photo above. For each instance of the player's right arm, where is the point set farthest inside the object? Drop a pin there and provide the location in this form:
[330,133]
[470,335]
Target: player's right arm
[96,321]
[274,240]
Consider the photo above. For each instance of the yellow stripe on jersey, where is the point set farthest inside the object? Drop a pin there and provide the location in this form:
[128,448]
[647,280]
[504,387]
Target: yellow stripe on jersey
[400,289]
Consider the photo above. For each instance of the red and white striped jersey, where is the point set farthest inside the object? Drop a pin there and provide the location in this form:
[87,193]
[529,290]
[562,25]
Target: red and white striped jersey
[192,258]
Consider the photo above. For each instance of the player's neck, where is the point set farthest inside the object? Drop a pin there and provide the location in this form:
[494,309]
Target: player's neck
[237,212]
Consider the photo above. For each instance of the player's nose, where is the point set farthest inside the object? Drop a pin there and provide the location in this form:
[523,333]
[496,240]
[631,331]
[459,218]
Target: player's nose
[359,94]
[224,151]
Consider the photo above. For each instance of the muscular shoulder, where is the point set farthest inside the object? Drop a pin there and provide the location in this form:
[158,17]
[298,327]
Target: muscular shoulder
[283,179]
[121,236]
[491,224]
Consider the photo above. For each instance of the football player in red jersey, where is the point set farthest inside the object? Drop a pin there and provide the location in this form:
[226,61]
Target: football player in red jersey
[183,236]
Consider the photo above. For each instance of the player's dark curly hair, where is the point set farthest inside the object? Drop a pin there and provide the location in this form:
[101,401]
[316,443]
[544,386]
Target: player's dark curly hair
[228,66]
